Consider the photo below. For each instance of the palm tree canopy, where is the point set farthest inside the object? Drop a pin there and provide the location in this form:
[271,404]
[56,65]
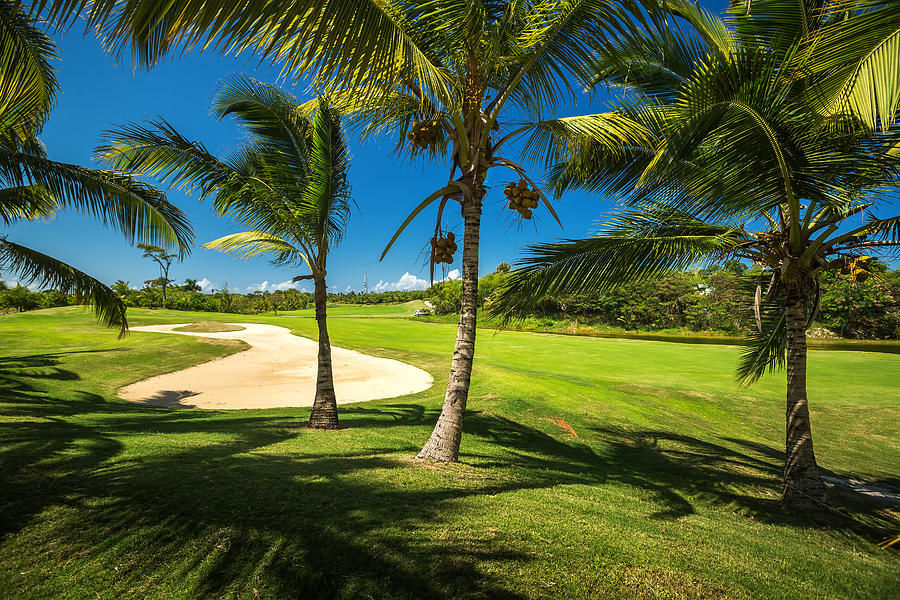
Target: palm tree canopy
[287,184]
[733,160]
[35,186]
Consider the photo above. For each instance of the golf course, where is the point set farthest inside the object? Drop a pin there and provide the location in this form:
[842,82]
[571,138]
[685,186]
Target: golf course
[590,468]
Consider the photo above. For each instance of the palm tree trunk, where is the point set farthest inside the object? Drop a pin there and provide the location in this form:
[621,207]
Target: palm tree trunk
[324,412]
[803,487]
[444,442]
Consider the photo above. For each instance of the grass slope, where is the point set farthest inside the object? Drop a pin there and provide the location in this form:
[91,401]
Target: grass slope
[669,490]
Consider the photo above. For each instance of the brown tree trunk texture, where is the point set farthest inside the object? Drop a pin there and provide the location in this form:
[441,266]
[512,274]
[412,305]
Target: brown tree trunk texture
[803,486]
[324,413]
[444,442]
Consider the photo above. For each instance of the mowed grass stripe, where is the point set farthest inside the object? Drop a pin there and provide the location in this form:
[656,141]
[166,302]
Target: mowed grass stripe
[669,490]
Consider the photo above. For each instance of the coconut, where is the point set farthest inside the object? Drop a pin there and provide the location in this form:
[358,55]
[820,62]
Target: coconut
[526,214]
[861,276]
[451,236]
[523,185]
[845,270]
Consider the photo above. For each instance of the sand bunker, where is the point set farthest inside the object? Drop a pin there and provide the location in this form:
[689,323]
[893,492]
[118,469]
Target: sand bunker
[278,370]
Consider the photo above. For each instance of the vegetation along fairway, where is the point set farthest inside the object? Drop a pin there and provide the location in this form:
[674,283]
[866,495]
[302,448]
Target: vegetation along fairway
[668,487]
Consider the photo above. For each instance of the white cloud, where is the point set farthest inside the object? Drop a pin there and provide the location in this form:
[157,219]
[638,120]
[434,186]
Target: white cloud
[265,286]
[408,282]
[284,285]
[452,275]
[33,286]
[205,284]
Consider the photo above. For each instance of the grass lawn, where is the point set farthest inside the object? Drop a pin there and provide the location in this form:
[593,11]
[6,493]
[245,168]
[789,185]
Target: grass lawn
[669,489]
[403,309]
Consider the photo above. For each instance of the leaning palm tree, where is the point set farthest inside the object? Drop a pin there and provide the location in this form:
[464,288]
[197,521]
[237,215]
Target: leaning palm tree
[36,187]
[734,159]
[455,81]
[287,184]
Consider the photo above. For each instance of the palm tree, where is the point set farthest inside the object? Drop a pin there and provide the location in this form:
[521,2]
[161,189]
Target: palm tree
[121,287]
[287,184]
[34,186]
[728,156]
[462,80]
[191,285]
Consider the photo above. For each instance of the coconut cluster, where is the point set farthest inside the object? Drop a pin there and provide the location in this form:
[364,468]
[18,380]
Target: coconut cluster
[444,248]
[521,198]
[857,267]
[424,133]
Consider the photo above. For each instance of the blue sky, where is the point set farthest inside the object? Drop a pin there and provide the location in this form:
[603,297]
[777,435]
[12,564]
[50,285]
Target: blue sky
[97,93]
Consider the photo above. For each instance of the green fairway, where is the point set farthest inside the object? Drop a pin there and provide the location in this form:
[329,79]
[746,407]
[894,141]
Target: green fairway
[405,309]
[669,489]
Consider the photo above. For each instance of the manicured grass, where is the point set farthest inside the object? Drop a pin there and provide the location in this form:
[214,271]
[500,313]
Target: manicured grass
[404,309]
[209,327]
[669,490]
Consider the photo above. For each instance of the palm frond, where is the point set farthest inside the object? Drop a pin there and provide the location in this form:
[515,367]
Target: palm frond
[249,244]
[26,202]
[158,150]
[264,111]
[609,134]
[28,82]
[633,245]
[343,42]
[711,28]
[48,272]
[765,349]
[859,56]
[139,211]
[327,191]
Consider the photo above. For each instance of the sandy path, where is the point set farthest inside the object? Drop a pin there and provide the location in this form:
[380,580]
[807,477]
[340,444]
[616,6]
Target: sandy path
[279,369]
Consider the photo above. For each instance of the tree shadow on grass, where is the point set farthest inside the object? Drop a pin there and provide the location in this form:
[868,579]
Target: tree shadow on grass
[209,504]
[742,476]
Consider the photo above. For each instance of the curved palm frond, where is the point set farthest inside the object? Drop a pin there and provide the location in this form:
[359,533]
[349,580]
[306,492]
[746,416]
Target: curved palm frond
[137,210]
[327,191]
[46,271]
[858,55]
[26,202]
[765,349]
[158,150]
[611,134]
[28,82]
[306,36]
[633,245]
[708,26]
[249,244]
[264,111]
[558,42]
